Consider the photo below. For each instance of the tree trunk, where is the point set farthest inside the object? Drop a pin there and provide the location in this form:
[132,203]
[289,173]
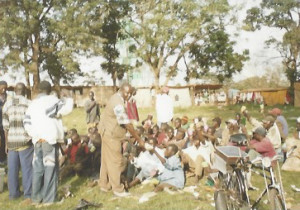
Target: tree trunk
[35,63]
[114,79]
[156,79]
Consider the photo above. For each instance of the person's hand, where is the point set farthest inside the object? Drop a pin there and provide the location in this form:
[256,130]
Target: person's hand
[6,149]
[141,143]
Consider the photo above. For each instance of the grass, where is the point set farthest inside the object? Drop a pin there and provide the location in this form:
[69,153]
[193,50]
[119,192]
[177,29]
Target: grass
[162,201]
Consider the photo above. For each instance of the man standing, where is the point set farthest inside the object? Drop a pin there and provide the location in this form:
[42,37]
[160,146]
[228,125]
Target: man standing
[18,143]
[43,123]
[3,96]
[164,107]
[92,110]
[113,125]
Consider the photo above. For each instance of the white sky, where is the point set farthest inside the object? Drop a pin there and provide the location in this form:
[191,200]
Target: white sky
[261,58]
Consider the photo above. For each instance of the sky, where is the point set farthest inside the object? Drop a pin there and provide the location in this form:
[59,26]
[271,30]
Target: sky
[262,59]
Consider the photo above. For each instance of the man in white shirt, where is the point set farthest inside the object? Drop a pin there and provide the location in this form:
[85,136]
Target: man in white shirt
[44,125]
[198,156]
[164,107]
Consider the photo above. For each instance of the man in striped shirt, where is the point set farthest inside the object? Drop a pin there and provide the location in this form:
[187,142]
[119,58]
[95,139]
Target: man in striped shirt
[18,144]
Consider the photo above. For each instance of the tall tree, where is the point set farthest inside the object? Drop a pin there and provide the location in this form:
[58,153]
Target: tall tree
[283,15]
[49,34]
[165,32]
[114,13]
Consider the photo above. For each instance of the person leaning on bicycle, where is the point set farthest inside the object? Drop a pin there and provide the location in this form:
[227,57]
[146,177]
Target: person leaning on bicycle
[260,145]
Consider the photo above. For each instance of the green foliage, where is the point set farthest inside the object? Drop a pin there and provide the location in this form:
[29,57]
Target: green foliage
[166,31]
[283,15]
[112,34]
[48,35]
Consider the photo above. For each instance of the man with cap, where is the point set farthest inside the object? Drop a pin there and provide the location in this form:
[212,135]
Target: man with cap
[164,107]
[261,144]
[114,124]
[272,130]
[3,96]
[281,122]
[44,125]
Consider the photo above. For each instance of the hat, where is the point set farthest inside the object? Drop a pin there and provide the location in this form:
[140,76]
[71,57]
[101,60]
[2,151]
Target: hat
[165,89]
[268,119]
[218,120]
[275,112]
[231,121]
[185,118]
[261,131]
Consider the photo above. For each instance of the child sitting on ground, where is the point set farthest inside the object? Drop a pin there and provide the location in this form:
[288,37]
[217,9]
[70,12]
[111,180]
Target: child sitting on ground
[77,157]
[173,175]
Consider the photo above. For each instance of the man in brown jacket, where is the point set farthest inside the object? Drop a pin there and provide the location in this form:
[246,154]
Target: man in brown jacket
[113,126]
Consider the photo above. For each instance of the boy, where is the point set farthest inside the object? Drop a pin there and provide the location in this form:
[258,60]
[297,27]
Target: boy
[179,139]
[172,176]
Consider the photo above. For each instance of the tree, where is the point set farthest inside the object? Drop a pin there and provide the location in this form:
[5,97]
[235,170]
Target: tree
[47,34]
[112,34]
[165,32]
[283,15]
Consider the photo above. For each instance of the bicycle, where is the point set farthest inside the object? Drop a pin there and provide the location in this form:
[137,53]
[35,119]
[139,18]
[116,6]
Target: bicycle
[233,190]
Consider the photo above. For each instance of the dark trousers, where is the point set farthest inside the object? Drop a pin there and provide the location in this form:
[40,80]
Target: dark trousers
[2,146]
[15,159]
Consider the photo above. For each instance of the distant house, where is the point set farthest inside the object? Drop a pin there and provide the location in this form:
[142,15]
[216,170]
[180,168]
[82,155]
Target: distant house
[297,94]
[271,96]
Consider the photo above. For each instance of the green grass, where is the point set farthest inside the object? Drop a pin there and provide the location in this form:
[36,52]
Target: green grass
[162,201]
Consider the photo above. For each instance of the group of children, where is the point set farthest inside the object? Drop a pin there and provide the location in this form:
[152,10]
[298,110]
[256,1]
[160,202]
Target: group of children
[172,151]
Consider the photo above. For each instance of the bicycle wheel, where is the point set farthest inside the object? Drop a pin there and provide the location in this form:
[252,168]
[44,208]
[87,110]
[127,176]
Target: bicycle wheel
[276,202]
[220,200]
[237,194]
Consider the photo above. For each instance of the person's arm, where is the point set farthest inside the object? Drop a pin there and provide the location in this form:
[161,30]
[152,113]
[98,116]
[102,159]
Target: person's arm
[6,134]
[254,122]
[5,123]
[162,160]
[134,134]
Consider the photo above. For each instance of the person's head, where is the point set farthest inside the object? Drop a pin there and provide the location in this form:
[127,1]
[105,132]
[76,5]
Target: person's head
[177,123]
[45,87]
[20,89]
[238,117]
[71,132]
[75,139]
[196,141]
[170,132]
[211,131]
[259,134]
[231,124]
[152,141]
[150,117]
[197,119]
[165,90]
[217,122]
[184,120]
[85,139]
[126,91]
[92,95]
[140,130]
[298,124]
[180,134]
[155,129]
[92,130]
[275,112]
[163,127]
[3,87]
[171,150]
[268,122]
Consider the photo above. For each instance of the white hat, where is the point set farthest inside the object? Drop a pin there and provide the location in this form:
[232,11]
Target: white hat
[231,121]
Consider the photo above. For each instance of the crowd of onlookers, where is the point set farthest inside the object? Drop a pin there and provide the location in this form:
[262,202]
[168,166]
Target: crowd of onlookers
[173,148]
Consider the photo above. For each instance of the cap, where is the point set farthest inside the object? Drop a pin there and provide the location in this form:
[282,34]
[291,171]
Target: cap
[261,131]
[231,121]
[268,119]
[218,120]
[275,112]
